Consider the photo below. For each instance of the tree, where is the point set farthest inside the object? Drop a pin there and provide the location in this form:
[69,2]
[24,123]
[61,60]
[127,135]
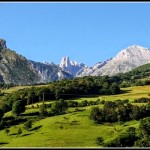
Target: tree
[5,107]
[18,107]
[126,139]
[96,114]
[43,110]
[7,131]
[135,113]
[99,141]
[19,131]
[1,114]
[31,97]
[59,107]
[144,142]
[145,126]
[28,125]
[114,89]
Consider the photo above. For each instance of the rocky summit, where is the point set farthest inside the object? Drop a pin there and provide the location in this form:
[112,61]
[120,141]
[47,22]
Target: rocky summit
[71,67]
[126,60]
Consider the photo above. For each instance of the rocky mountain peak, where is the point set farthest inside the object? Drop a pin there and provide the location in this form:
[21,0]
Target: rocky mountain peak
[71,67]
[65,62]
[126,60]
[3,43]
[131,52]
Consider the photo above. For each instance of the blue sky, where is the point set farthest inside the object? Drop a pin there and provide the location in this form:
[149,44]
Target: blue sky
[86,32]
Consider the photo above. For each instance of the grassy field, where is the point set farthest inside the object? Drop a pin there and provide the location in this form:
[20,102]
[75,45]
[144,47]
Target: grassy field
[73,129]
[130,93]
[70,130]
[16,88]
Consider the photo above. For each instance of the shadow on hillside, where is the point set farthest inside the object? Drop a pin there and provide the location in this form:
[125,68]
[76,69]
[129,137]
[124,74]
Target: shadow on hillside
[1,143]
[124,91]
[27,134]
[36,128]
[31,114]
[74,122]
[13,134]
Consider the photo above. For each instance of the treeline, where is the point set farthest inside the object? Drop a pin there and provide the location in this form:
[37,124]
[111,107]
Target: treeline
[133,77]
[142,100]
[119,112]
[6,86]
[66,89]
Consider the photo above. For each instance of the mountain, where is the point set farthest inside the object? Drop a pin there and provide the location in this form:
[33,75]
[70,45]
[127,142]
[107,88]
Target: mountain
[49,71]
[86,71]
[72,67]
[126,60]
[16,69]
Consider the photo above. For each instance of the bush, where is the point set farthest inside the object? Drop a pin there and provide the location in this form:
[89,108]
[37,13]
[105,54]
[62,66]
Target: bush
[7,131]
[28,125]
[99,141]
[18,107]
[43,110]
[59,107]
[126,139]
[1,114]
[19,131]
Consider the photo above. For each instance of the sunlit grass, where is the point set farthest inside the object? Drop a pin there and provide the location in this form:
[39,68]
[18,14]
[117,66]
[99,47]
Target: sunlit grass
[73,129]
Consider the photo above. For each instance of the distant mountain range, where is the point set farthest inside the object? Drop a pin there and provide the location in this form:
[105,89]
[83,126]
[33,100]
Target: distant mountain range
[126,60]
[16,69]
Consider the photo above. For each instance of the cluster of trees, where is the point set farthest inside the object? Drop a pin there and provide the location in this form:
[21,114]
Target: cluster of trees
[138,73]
[6,86]
[65,89]
[132,78]
[132,137]
[113,112]
[142,100]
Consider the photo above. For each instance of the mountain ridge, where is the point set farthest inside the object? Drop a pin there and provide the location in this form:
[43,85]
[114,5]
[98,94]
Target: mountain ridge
[15,68]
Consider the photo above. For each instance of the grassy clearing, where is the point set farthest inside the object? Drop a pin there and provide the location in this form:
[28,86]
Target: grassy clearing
[130,93]
[16,88]
[74,129]
[70,130]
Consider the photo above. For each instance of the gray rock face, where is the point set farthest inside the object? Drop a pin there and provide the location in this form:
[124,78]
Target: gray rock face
[72,67]
[16,69]
[49,72]
[64,75]
[3,43]
[86,71]
[126,60]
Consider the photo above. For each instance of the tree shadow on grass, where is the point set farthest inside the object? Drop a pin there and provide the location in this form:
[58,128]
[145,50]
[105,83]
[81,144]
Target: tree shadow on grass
[27,134]
[1,143]
[36,128]
[124,91]
[13,134]
[74,122]
[31,114]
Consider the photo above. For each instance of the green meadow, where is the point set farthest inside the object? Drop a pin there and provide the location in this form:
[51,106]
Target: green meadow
[73,129]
